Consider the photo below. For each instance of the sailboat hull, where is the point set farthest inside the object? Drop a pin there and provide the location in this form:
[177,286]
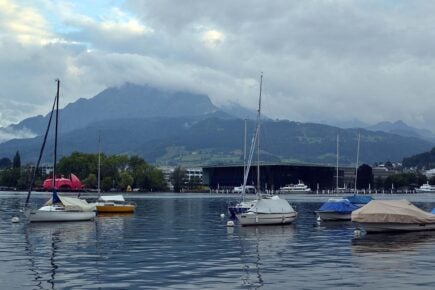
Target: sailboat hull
[125,208]
[60,216]
[254,219]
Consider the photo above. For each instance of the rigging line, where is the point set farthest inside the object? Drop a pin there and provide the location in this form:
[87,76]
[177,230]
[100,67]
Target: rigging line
[55,136]
[40,153]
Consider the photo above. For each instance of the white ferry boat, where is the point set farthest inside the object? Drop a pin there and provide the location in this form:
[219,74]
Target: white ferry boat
[426,188]
[295,188]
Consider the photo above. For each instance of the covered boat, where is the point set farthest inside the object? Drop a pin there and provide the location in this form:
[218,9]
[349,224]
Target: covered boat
[268,211]
[114,203]
[393,215]
[336,209]
[357,199]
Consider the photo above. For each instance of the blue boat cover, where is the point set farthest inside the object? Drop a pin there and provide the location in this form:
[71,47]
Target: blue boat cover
[433,211]
[338,206]
[359,199]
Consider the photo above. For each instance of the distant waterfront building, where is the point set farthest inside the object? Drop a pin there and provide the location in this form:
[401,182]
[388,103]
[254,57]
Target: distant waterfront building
[192,173]
[382,172]
[272,176]
[167,172]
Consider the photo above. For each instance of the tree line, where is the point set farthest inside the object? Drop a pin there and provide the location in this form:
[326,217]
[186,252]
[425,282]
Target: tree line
[116,172]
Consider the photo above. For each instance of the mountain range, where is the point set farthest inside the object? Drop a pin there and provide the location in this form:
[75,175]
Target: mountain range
[174,128]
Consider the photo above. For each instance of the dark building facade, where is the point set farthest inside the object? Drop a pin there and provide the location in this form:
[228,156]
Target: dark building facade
[273,176]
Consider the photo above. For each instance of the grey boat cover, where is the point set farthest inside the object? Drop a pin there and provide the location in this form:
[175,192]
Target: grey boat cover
[392,211]
[272,204]
[74,204]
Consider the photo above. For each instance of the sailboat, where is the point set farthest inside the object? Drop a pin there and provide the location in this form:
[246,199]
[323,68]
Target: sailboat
[57,208]
[267,210]
[110,203]
[355,198]
[336,209]
[244,205]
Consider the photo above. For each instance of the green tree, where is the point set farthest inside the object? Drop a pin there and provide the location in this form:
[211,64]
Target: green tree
[17,160]
[91,181]
[179,178]
[106,183]
[365,176]
[125,179]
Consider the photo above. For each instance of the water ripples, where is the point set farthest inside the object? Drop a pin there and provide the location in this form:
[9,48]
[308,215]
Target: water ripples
[182,243]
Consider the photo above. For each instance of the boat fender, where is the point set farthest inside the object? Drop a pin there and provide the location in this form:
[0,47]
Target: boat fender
[222,215]
[15,219]
[357,233]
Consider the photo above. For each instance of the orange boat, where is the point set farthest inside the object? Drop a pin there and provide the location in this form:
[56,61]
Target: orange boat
[115,204]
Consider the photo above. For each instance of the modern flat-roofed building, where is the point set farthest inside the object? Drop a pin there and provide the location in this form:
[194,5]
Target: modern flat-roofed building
[274,176]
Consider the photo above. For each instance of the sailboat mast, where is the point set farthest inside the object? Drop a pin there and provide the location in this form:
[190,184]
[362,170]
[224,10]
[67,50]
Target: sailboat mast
[55,135]
[357,161]
[258,134]
[336,187]
[99,162]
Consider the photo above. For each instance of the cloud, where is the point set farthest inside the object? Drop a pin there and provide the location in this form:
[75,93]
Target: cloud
[322,60]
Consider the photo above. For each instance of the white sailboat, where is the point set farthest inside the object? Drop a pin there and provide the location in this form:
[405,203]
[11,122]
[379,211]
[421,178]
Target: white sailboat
[244,205]
[57,208]
[267,210]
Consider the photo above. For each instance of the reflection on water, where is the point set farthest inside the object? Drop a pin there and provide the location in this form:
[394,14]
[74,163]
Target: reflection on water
[51,247]
[258,245]
[392,242]
[183,243]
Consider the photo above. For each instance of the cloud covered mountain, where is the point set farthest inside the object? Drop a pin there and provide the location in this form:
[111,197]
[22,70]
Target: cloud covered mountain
[174,128]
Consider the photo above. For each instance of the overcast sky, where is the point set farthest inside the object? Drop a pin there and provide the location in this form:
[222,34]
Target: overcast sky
[322,60]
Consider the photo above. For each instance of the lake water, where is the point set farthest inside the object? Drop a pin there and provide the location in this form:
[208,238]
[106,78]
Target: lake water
[181,242]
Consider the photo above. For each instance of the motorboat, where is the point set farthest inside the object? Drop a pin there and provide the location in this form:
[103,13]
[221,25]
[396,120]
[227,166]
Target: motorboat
[336,209]
[425,188]
[295,188]
[114,203]
[62,209]
[393,216]
[268,211]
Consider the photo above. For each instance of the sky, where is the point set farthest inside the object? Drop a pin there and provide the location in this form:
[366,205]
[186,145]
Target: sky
[332,61]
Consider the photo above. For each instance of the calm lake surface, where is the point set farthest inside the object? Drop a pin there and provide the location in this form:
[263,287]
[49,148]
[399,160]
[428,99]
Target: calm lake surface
[181,242]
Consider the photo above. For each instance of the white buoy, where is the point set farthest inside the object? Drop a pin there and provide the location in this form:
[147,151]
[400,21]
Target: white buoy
[357,232]
[230,224]
[222,215]
[15,219]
